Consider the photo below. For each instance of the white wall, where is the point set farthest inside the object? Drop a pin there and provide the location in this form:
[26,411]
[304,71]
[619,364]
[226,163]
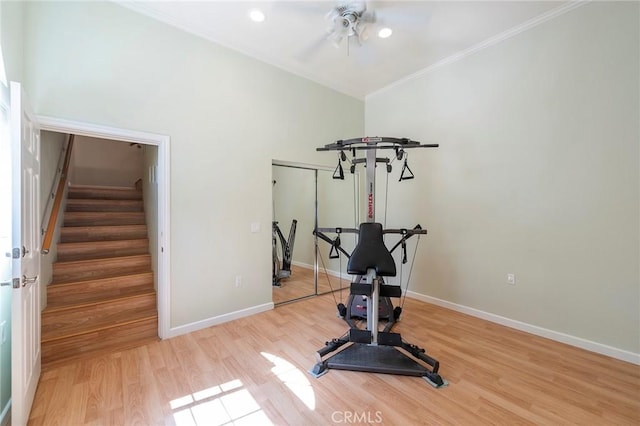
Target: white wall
[227,115]
[537,175]
[52,144]
[11,16]
[106,163]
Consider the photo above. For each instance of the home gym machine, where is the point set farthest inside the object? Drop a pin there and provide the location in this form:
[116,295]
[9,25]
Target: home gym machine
[370,349]
[280,272]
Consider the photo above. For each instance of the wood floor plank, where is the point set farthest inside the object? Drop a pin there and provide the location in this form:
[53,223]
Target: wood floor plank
[256,368]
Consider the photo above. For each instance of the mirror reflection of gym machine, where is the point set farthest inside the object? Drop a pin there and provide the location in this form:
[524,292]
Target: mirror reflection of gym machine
[370,349]
[281,271]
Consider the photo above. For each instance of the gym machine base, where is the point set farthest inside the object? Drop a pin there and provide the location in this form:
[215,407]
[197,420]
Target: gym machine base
[371,350]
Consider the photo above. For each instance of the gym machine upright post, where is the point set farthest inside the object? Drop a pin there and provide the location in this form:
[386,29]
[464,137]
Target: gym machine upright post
[372,350]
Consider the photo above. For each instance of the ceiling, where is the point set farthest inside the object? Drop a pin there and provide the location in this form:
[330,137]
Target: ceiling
[293,35]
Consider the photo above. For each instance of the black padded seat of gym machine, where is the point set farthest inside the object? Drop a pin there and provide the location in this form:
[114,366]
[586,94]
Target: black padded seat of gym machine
[371,253]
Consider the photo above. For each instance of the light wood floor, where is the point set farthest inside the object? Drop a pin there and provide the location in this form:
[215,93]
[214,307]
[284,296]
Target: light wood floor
[302,284]
[254,371]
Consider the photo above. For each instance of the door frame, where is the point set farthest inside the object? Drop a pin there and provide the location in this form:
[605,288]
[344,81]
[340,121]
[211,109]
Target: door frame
[163,273]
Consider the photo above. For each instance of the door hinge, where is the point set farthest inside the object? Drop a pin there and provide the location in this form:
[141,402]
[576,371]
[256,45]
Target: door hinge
[16,253]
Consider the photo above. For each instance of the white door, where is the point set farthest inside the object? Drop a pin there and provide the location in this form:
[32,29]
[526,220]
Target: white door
[25,304]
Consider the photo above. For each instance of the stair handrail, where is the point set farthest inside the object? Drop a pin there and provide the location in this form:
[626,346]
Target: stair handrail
[57,200]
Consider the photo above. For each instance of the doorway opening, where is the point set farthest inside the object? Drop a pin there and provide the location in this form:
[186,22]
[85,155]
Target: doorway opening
[156,149]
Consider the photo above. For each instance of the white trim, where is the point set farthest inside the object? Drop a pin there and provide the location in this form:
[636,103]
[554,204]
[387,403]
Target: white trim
[209,322]
[336,274]
[578,342]
[61,125]
[527,25]
[53,124]
[302,265]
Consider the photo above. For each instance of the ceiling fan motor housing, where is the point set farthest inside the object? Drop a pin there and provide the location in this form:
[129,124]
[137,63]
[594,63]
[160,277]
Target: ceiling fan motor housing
[349,19]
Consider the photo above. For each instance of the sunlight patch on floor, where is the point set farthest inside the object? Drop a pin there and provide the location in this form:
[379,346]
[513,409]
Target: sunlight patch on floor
[226,404]
[294,379]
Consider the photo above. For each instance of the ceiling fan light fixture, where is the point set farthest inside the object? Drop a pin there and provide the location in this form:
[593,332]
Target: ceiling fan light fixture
[257,15]
[385,32]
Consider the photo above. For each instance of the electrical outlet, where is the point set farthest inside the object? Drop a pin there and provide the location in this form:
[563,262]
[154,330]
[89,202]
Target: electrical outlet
[238,280]
[3,332]
[511,279]
[255,227]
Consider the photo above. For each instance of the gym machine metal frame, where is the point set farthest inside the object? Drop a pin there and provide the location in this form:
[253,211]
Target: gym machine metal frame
[371,350]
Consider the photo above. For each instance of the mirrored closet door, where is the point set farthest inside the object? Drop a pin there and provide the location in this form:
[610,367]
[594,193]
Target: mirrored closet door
[305,197]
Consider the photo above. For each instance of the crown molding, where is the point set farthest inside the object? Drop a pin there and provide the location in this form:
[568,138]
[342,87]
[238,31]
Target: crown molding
[491,41]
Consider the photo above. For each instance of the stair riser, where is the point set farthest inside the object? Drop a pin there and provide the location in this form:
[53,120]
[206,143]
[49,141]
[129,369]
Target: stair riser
[103,219]
[104,194]
[106,288]
[102,233]
[66,272]
[100,250]
[79,205]
[87,316]
[108,341]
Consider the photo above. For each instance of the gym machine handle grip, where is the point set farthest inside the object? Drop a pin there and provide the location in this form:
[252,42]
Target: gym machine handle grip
[335,244]
[406,234]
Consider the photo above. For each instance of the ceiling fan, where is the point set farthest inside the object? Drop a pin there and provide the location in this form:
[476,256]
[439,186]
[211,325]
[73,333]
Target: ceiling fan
[349,19]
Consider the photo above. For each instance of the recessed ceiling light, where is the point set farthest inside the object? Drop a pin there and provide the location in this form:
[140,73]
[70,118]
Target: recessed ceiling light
[385,32]
[256,15]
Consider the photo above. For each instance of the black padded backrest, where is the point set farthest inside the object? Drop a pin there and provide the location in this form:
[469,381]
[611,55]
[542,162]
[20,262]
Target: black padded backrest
[371,253]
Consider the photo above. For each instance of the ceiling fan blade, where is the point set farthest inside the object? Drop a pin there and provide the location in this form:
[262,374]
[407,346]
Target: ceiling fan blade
[368,17]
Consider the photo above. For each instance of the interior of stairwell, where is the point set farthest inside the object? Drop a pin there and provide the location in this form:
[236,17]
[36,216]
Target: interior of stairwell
[104,261]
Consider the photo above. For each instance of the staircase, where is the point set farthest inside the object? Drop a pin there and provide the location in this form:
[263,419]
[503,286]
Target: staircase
[101,298]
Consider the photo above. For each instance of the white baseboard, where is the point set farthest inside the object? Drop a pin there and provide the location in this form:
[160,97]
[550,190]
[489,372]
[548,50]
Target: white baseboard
[579,342]
[321,271]
[199,325]
[5,417]
[302,264]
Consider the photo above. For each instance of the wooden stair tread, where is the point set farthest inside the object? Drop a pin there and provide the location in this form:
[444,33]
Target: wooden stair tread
[102,205]
[95,299]
[86,250]
[77,286]
[56,330]
[97,192]
[69,234]
[60,352]
[103,218]
[93,269]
